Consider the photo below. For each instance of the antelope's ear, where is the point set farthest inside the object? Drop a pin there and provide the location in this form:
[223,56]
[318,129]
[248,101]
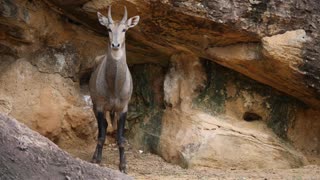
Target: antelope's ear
[133,21]
[102,19]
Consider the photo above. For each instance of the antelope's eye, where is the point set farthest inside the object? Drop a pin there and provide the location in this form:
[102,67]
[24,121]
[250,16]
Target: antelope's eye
[124,30]
[109,30]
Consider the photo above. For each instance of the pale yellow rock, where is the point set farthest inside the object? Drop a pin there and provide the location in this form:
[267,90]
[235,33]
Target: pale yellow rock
[47,103]
[194,139]
[184,77]
[5,105]
[286,48]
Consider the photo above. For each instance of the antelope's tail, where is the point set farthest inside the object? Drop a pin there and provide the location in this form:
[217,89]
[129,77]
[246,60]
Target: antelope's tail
[113,119]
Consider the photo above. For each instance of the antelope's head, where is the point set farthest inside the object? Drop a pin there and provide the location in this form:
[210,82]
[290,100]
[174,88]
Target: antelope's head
[117,30]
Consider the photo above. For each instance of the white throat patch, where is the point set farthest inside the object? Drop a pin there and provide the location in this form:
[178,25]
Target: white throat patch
[116,54]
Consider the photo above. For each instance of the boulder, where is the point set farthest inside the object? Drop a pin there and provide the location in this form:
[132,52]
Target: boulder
[27,154]
[194,139]
[48,103]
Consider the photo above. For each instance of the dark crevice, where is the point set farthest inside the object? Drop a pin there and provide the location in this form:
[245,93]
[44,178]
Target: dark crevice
[69,20]
[251,116]
[85,77]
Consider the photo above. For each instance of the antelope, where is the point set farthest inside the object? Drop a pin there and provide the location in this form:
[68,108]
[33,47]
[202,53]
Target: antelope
[111,84]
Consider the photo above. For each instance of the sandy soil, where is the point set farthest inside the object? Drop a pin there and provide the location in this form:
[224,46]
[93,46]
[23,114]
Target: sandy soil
[152,167]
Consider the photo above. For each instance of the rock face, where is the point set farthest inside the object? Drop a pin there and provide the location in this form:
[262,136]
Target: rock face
[40,72]
[185,107]
[27,154]
[230,130]
[275,62]
[194,139]
[48,103]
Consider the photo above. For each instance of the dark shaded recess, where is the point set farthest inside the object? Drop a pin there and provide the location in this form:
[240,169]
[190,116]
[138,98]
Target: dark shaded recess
[282,114]
[142,85]
[8,8]
[5,50]
[71,2]
[85,77]
[214,89]
[69,20]
[147,102]
[152,137]
[251,116]
[72,10]
[15,34]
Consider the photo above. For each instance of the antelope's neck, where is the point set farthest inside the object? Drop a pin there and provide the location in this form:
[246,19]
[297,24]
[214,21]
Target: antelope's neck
[116,70]
[117,55]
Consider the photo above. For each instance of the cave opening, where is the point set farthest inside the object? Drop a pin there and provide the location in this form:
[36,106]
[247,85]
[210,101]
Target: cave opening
[251,116]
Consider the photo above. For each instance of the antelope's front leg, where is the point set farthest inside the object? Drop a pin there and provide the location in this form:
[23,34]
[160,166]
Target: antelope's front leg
[102,126]
[121,141]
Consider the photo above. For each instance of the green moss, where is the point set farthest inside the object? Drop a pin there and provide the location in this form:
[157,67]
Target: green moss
[282,115]
[152,131]
[281,108]
[145,112]
[142,89]
[212,97]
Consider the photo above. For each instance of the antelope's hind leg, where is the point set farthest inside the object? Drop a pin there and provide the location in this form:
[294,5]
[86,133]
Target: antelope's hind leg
[102,128]
[121,141]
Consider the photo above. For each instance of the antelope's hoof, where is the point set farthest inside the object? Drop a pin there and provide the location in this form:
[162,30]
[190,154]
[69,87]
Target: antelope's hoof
[96,161]
[123,168]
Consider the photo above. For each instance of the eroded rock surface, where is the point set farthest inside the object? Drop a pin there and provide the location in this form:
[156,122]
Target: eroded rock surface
[275,62]
[47,103]
[220,120]
[41,55]
[194,139]
[170,26]
[28,155]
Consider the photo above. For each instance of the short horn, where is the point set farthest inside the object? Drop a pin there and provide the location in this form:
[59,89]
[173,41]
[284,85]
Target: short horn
[125,16]
[109,15]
